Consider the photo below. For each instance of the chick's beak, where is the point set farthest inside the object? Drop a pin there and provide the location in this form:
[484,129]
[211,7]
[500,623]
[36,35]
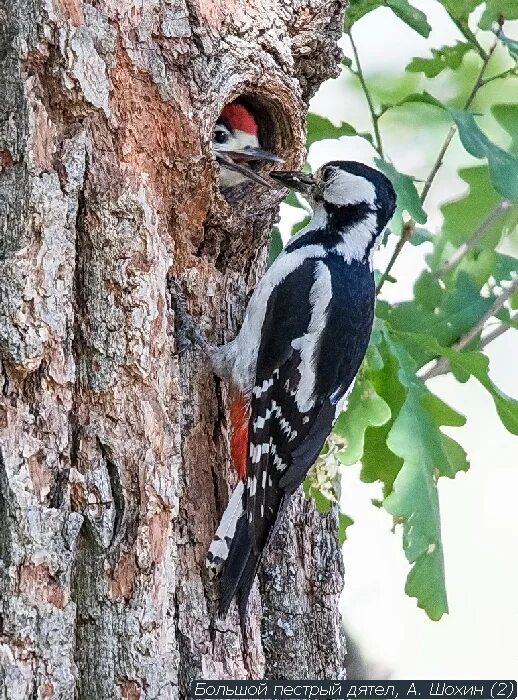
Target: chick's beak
[295,180]
[239,159]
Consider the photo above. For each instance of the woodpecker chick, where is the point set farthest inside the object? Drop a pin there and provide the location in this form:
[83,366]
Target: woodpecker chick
[304,335]
[237,147]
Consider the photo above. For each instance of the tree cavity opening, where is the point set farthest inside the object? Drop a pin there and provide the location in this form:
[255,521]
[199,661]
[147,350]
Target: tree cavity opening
[247,122]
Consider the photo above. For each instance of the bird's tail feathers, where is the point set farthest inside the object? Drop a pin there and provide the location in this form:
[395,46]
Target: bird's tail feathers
[220,545]
[239,571]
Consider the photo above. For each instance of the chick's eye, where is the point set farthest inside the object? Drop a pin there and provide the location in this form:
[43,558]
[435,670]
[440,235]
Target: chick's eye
[327,173]
[220,136]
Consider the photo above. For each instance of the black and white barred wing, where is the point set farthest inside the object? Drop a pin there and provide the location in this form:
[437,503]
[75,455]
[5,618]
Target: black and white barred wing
[290,415]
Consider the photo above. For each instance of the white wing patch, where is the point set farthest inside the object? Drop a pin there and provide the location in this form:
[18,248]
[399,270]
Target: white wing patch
[319,298]
[241,353]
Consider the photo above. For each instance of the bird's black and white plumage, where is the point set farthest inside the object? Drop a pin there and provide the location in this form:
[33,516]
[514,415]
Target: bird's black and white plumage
[303,338]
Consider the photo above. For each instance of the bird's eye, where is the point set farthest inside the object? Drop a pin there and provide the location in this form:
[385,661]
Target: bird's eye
[327,174]
[220,136]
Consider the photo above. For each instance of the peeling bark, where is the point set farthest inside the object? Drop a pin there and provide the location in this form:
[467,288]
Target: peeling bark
[114,454]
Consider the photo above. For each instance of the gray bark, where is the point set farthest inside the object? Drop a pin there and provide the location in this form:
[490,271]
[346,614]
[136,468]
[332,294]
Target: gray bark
[114,459]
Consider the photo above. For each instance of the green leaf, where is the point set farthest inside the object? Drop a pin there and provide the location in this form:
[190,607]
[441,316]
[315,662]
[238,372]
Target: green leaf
[507,116]
[413,17]
[365,408]
[461,307]
[344,521]
[481,265]
[511,44]
[373,358]
[421,235]
[440,411]
[428,291]
[468,363]
[477,365]
[367,136]
[322,504]
[456,455]
[300,225]
[378,462]
[496,10]
[414,500]
[357,9]
[460,9]
[478,265]
[463,216]
[423,97]
[409,14]
[292,200]
[320,128]
[407,197]
[503,166]
[426,452]
[275,246]
[445,57]
[416,439]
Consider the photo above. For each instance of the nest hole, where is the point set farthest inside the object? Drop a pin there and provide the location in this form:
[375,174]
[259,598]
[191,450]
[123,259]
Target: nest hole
[274,133]
[242,216]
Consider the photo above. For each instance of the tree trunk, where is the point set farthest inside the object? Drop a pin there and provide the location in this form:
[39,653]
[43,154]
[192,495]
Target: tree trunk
[114,461]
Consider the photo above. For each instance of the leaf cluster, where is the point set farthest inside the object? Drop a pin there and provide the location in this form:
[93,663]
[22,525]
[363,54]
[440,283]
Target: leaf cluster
[464,296]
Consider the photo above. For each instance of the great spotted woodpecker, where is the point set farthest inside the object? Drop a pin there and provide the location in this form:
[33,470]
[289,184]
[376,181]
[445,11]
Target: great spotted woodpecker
[237,147]
[304,335]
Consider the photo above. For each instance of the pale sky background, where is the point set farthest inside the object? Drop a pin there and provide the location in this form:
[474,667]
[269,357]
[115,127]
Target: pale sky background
[479,509]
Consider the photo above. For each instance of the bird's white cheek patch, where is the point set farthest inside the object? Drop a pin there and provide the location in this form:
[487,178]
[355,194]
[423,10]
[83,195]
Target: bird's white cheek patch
[345,189]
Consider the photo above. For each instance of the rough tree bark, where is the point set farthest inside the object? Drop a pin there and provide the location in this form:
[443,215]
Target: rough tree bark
[114,456]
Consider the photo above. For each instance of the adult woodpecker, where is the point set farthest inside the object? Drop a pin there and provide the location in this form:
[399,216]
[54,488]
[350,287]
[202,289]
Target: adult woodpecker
[237,146]
[304,335]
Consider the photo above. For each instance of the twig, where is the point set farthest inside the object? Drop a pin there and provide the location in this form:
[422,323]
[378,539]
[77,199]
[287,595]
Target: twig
[453,129]
[374,115]
[504,74]
[468,34]
[406,235]
[438,161]
[475,237]
[496,333]
[442,365]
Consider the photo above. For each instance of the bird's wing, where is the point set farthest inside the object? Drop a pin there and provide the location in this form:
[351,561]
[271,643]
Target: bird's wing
[304,367]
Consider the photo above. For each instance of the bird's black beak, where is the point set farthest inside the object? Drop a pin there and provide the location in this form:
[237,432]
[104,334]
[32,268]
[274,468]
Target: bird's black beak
[238,161]
[294,180]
